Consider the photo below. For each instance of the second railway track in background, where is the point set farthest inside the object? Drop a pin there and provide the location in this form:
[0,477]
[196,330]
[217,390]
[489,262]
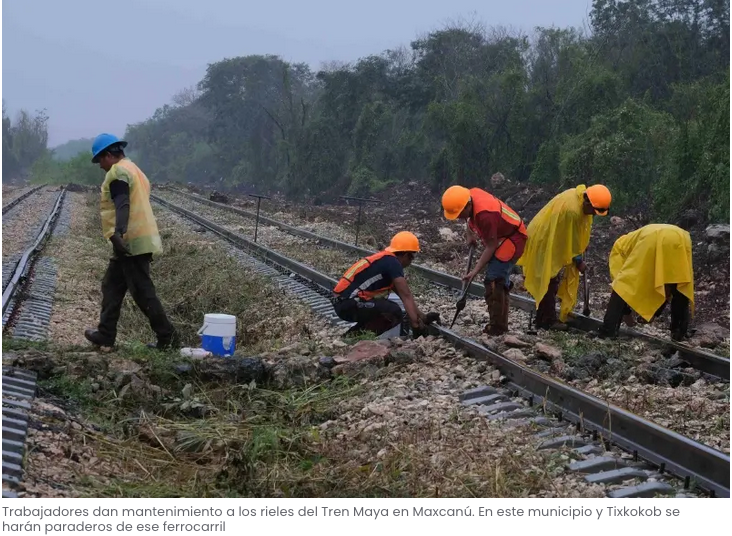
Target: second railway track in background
[12,204]
[699,359]
[697,465]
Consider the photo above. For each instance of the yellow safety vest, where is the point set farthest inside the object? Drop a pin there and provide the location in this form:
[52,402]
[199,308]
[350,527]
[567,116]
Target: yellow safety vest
[142,234]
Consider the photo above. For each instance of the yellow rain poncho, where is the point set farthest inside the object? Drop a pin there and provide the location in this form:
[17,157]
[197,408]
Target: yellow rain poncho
[643,261]
[559,232]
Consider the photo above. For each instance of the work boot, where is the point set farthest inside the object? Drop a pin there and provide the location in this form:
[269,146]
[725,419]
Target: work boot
[497,309]
[546,313]
[97,338]
[554,326]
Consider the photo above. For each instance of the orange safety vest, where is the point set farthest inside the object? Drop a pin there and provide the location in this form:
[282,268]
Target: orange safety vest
[485,202]
[360,291]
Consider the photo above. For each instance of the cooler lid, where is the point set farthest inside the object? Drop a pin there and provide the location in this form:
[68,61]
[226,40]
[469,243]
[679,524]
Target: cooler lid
[217,318]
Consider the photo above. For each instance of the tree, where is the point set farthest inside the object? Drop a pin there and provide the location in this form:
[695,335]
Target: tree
[24,141]
[639,103]
[72,148]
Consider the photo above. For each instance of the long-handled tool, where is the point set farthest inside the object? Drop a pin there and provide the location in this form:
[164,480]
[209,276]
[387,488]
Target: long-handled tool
[466,285]
[586,287]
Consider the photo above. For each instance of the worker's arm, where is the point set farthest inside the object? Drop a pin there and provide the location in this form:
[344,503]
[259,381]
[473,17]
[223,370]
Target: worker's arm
[574,222]
[484,259]
[470,237]
[120,192]
[416,317]
[487,223]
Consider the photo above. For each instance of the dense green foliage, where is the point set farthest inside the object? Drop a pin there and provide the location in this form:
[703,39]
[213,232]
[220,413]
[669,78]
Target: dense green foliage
[77,170]
[642,105]
[24,141]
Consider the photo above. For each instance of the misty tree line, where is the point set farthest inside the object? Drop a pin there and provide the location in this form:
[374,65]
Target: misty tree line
[26,154]
[25,140]
[640,104]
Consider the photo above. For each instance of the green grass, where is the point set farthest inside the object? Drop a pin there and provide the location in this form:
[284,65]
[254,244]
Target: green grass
[253,439]
[191,437]
[77,390]
[353,338]
[575,346]
[193,276]
[10,344]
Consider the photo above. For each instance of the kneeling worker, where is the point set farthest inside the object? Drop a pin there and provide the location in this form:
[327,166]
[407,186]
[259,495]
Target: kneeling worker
[362,293]
[503,235]
[649,268]
[558,236]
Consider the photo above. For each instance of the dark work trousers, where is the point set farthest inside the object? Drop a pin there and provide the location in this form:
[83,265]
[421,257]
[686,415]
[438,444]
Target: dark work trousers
[680,314]
[131,273]
[377,316]
[617,308]
[546,313]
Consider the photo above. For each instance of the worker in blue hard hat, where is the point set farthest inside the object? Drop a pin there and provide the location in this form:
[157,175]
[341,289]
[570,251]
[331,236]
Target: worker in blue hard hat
[129,224]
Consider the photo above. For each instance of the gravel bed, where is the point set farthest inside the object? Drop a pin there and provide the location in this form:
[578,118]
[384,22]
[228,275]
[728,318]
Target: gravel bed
[419,401]
[13,192]
[22,224]
[647,393]
[328,260]
[77,300]
[627,373]
[407,412]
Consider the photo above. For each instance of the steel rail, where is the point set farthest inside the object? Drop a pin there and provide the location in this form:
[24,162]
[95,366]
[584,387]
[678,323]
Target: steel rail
[706,467]
[20,198]
[21,267]
[702,360]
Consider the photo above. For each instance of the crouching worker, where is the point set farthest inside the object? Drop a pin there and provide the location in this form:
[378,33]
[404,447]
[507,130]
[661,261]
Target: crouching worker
[503,235]
[558,236]
[362,293]
[649,268]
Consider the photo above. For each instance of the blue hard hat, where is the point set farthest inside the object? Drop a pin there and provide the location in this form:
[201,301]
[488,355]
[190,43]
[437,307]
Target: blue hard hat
[103,141]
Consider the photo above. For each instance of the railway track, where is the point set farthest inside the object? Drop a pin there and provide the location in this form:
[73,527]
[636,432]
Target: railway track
[652,452]
[7,208]
[699,359]
[21,268]
[27,302]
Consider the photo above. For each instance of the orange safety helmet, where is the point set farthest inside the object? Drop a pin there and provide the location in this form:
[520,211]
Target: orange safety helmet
[404,241]
[454,200]
[600,198]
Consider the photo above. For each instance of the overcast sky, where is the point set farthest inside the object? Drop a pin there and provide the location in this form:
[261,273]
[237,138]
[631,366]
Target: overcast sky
[97,66]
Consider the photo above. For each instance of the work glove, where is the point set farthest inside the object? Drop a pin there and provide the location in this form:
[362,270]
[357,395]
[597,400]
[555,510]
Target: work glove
[432,318]
[119,246]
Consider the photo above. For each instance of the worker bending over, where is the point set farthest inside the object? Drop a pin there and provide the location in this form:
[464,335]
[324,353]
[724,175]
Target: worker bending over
[503,235]
[362,293]
[649,268]
[558,237]
[129,224]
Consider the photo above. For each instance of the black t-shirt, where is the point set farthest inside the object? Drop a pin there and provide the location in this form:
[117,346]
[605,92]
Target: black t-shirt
[380,274]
